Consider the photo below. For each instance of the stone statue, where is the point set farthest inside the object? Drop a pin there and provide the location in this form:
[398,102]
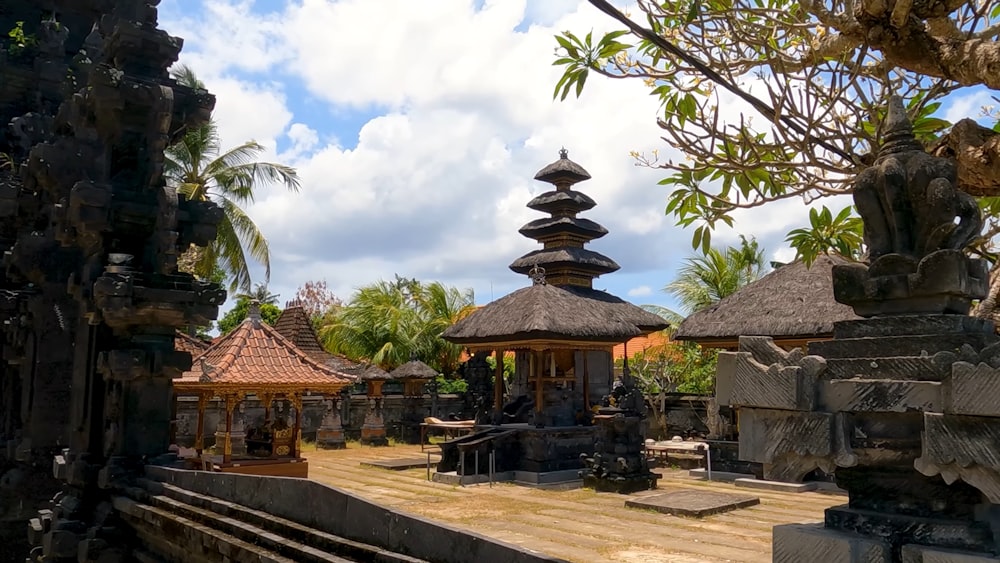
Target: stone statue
[916,226]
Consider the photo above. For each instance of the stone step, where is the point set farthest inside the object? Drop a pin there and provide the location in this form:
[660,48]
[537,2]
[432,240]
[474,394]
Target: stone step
[266,529]
[193,542]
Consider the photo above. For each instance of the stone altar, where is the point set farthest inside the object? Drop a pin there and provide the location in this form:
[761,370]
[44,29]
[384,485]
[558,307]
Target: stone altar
[903,405]
[619,463]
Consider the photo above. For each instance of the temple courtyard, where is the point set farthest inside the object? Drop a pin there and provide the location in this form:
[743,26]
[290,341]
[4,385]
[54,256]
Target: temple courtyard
[579,525]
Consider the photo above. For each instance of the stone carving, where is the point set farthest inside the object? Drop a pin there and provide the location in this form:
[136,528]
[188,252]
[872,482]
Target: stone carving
[619,462]
[917,224]
[330,434]
[89,237]
[902,406]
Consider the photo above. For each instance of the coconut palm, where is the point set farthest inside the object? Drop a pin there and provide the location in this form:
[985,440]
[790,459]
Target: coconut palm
[440,307]
[389,322]
[705,280]
[261,294]
[201,171]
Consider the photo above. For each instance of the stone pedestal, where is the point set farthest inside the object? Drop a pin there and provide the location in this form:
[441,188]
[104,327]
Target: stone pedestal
[903,409]
[373,429]
[330,434]
[619,464]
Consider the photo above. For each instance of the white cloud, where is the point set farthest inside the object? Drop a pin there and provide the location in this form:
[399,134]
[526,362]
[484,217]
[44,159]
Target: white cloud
[437,184]
[640,291]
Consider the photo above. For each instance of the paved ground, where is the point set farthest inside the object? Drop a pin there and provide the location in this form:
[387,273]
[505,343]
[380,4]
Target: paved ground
[579,525]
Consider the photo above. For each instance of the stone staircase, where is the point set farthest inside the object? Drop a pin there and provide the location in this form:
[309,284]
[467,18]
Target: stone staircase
[173,524]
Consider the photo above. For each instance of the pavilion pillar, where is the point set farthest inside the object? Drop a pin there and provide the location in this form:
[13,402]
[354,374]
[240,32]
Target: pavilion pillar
[199,436]
[498,382]
[227,450]
[297,430]
[586,383]
[266,399]
[537,370]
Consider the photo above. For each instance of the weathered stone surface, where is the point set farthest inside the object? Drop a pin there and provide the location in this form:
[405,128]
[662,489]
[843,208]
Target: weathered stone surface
[914,368]
[798,543]
[764,485]
[775,386]
[973,390]
[901,529]
[725,376]
[790,444]
[692,503]
[867,395]
[911,345]
[912,325]
[925,554]
[962,447]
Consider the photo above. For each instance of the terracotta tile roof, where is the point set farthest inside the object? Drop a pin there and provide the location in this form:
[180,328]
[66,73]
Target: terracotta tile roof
[184,342]
[294,325]
[639,344]
[255,355]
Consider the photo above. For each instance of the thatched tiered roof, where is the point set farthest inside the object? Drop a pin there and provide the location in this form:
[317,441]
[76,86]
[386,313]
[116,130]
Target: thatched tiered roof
[792,303]
[546,312]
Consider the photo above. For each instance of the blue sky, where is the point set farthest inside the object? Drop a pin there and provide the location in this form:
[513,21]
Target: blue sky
[417,128]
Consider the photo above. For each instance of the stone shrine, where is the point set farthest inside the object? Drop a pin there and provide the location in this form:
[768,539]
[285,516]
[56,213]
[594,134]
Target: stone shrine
[902,405]
[90,236]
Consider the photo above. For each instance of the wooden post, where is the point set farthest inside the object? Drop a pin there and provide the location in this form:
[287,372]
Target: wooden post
[297,431]
[227,450]
[586,383]
[199,438]
[538,382]
[498,384]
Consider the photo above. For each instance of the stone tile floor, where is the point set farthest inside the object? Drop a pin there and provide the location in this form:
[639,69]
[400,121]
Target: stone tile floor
[579,525]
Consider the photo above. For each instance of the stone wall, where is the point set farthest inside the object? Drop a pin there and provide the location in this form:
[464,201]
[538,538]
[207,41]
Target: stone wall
[394,407]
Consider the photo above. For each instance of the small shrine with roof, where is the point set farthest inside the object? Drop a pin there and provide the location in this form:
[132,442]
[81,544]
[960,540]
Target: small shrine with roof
[256,360]
[562,332]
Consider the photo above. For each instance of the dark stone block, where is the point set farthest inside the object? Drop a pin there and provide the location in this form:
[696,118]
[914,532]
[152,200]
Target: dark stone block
[911,345]
[912,325]
[901,529]
[621,484]
[693,503]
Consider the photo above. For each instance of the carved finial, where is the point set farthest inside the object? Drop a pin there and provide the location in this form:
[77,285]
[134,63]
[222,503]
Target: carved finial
[253,313]
[537,275]
[897,131]
[563,153]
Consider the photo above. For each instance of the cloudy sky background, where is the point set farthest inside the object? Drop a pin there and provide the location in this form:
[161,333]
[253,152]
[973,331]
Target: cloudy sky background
[417,127]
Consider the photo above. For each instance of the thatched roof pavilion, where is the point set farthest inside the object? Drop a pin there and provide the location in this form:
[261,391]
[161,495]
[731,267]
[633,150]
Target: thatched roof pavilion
[793,304]
[561,313]
[541,314]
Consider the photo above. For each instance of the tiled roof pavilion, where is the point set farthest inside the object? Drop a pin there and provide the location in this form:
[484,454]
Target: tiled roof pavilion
[256,358]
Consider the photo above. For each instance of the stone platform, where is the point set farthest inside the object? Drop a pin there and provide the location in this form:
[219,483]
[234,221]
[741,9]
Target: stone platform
[398,464]
[693,503]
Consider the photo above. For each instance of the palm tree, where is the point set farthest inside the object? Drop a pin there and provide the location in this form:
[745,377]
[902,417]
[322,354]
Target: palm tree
[440,307]
[378,325]
[201,171]
[261,293]
[704,280]
[388,323]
